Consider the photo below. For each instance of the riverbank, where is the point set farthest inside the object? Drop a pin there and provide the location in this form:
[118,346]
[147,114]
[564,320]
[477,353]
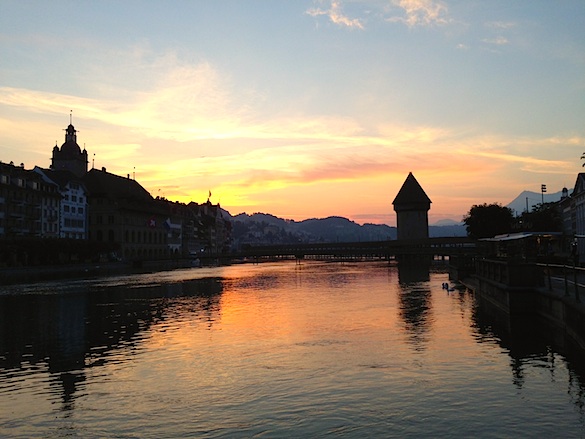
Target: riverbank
[557,302]
[17,275]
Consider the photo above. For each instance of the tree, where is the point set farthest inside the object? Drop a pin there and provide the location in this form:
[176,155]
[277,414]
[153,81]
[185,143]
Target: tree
[488,220]
[543,218]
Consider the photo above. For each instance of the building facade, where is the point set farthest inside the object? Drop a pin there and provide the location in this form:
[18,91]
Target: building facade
[68,201]
[71,211]
[123,214]
[23,197]
[572,211]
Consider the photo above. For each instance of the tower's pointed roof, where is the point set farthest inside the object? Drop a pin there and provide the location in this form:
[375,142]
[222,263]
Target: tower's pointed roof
[411,194]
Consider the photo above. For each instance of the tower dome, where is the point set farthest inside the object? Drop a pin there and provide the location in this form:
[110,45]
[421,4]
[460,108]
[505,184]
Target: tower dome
[70,147]
[70,157]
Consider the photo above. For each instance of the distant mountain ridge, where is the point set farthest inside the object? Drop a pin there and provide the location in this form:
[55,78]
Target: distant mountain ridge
[266,229]
[518,204]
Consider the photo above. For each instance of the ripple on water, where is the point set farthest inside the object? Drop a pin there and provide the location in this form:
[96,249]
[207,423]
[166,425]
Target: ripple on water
[274,350]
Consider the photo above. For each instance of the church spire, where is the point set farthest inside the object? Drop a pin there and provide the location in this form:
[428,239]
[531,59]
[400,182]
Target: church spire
[71,132]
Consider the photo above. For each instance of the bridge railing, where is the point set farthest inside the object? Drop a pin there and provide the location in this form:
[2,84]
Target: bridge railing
[432,246]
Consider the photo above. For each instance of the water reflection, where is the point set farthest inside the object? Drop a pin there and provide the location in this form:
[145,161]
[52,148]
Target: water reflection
[277,350]
[65,334]
[414,271]
[532,342]
[415,301]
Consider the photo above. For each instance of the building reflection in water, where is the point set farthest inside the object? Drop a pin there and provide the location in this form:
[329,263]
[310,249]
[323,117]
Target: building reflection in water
[415,300]
[531,341]
[69,333]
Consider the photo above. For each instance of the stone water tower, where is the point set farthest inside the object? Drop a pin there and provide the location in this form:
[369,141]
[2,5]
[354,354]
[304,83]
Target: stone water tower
[412,205]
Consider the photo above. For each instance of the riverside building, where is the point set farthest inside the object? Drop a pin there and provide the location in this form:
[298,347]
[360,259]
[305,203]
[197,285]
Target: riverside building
[112,212]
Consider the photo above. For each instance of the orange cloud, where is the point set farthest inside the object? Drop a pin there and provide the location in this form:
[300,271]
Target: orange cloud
[189,132]
[420,12]
[336,15]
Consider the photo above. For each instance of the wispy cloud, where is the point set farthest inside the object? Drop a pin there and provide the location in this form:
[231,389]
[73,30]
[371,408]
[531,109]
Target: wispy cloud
[187,129]
[303,149]
[498,41]
[335,13]
[420,12]
[501,24]
[186,103]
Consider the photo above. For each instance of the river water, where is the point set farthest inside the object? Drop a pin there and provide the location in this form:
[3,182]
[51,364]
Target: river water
[279,350]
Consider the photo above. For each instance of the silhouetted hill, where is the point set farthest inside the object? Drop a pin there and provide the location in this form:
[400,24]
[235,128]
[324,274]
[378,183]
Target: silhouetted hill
[447,222]
[261,218]
[339,229]
[457,229]
[266,229]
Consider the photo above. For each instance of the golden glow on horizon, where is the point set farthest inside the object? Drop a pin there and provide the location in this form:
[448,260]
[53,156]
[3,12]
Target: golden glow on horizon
[186,136]
[199,97]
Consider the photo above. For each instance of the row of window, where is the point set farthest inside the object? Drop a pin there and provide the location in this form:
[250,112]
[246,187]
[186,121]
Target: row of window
[73,235]
[48,213]
[18,196]
[71,222]
[19,181]
[20,222]
[50,227]
[74,198]
[99,219]
[135,236]
[50,202]
[67,209]
[72,209]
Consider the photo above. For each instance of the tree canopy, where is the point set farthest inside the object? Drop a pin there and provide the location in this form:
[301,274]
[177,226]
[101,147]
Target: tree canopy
[488,220]
[544,217]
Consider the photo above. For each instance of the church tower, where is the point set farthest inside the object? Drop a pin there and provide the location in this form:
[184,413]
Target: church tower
[412,205]
[70,157]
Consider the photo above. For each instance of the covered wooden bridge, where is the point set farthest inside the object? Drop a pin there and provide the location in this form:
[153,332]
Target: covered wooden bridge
[432,247]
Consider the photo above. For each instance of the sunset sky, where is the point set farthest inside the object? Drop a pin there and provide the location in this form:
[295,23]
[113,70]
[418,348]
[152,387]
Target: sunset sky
[304,108]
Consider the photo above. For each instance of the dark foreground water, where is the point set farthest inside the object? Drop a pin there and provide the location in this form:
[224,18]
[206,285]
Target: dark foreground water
[279,350]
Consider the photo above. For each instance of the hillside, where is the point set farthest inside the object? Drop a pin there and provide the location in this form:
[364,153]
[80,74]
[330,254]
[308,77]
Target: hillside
[266,229]
[518,204]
